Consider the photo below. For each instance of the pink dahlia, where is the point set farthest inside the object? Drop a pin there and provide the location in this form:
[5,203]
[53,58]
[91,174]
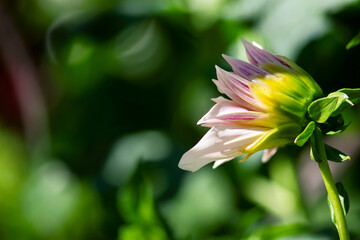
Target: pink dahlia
[268,100]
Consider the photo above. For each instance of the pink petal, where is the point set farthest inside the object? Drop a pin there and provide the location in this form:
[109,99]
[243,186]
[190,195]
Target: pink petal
[234,80]
[256,54]
[244,69]
[268,153]
[219,143]
[228,112]
[235,87]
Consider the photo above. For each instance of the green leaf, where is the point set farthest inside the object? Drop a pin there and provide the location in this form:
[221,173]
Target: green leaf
[354,41]
[332,105]
[335,155]
[320,110]
[342,103]
[317,150]
[352,93]
[344,197]
[302,138]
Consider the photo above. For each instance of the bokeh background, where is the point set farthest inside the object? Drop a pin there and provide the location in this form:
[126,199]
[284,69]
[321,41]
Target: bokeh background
[99,99]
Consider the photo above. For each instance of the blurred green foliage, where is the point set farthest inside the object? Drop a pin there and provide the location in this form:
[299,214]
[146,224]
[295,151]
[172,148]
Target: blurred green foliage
[123,83]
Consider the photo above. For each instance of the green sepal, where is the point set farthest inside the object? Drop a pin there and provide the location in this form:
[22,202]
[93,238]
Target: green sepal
[321,109]
[344,197]
[317,150]
[352,93]
[335,155]
[334,125]
[302,138]
[338,130]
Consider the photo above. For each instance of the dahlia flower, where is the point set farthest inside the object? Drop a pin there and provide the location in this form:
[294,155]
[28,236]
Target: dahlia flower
[268,101]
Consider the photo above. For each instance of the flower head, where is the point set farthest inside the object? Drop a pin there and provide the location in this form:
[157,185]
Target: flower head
[268,102]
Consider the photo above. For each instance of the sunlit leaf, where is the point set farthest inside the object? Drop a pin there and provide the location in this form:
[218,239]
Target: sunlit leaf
[321,109]
[342,103]
[332,105]
[353,42]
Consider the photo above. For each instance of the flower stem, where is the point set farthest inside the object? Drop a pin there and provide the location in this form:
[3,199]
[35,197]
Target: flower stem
[334,199]
[319,155]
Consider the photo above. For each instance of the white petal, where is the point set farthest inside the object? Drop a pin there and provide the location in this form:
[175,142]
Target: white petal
[219,162]
[228,112]
[222,107]
[219,143]
[268,153]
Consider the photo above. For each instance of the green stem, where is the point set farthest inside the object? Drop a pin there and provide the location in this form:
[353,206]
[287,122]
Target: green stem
[340,220]
[319,155]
